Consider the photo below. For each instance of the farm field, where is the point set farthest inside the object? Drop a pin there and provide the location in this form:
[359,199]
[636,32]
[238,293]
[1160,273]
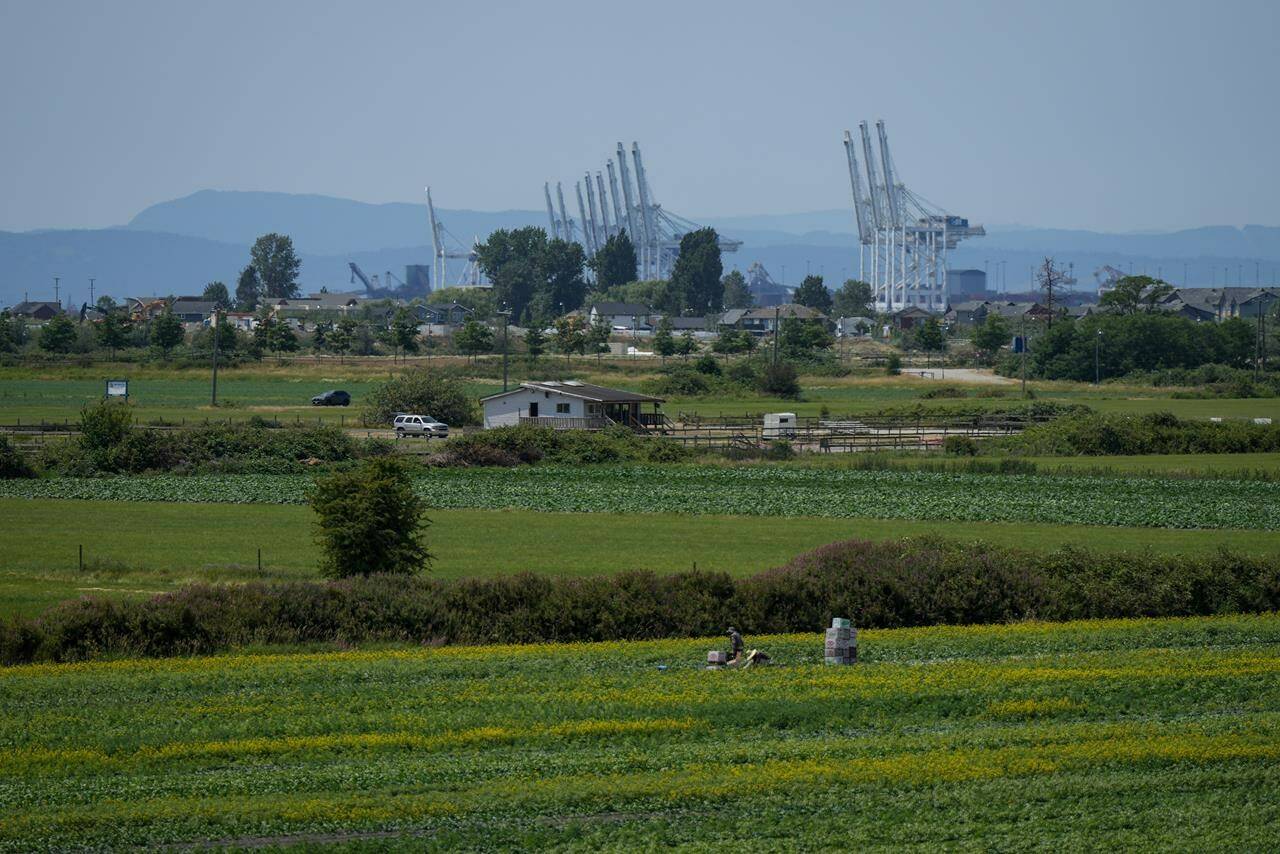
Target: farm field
[751,491]
[139,548]
[284,391]
[1114,735]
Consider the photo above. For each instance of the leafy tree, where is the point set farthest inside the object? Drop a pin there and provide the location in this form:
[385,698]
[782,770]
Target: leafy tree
[993,334]
[615,263]
[479,300]
[370,521]
[474,337]
[248,289]
[930,337]
[264,323]
[535,341]
[657,294]
[597,336]
[854,299]
[339,339]
[282,338]
[1134,293]
[801,338]
[166,332]
[570,336]
[736,292]
[695,278]
[533,274]
[58,335]
[217,293]
[687,345]
[780,379]
[277,265]
[403,331]
[664,344]
[422,391]
[8,343]
[814,294]
[105,304]
[320,336]
[112,332]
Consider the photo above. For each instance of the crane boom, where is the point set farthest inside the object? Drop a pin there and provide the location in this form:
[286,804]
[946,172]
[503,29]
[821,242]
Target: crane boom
[886,163]
[437,245]
[357,273]
[551,213]
[633,230]
[595,219]
[646,210]
[587,242]
[604,208]
[617,200]
[873,181]
[565,223]
[859,200]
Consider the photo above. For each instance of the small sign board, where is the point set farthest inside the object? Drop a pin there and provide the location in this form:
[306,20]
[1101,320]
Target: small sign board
[118,388]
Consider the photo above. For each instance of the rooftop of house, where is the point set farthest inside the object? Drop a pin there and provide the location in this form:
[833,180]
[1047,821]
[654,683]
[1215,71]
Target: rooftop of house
[790,309]
[32,306]
[616,308]
[585,391]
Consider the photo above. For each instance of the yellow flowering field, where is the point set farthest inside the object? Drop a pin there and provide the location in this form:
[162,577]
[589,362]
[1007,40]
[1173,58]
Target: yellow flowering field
[1114,734]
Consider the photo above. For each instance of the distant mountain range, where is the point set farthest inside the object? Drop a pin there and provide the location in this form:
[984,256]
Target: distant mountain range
[176,247]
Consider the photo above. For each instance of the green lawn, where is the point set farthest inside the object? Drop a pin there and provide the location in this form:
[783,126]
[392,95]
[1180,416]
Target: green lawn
[1165,464]
[132,548]
[1121,735]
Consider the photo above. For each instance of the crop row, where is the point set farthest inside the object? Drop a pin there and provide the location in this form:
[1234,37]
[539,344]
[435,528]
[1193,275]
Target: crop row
[1133,726]
[755,491]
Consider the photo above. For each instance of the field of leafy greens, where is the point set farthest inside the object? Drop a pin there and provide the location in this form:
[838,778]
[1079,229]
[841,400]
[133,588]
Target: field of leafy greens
[1105,734]
[755,491]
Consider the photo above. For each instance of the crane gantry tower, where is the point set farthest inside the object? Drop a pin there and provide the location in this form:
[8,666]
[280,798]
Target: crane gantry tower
[902,238]
[441,254]
[654,232]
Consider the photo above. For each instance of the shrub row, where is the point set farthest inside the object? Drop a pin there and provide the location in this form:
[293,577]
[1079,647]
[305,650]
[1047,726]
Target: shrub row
[905,583]
[512,446]
[1098,434]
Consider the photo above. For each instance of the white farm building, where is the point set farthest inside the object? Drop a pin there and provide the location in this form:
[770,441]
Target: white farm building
[572,405]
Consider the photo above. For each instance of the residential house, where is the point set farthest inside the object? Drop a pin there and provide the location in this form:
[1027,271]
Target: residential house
[191,309]
[572,405]
[910,317]
[36,310]
[970,312]
[763,320]
[443,314]
[619,315]
[854,327]
[1221,303]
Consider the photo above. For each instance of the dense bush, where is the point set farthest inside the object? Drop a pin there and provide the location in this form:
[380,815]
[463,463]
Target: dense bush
[879,585]
[111,446]
[421,391]
[510,446]
[370,521]
[780,379]
[12,462]
[1097,434]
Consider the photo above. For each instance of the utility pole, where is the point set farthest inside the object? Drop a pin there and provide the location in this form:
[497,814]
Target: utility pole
[506,317]
[1024,354]
[1097,362]
[777,329]
[216,336]
[56,297]
[91,302]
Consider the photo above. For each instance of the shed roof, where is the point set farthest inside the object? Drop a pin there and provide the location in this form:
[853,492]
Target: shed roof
[585,391]
[615,308]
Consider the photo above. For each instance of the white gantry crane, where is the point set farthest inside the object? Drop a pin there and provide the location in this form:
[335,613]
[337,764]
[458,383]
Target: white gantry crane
[470,277]
[654,232]
[902,238]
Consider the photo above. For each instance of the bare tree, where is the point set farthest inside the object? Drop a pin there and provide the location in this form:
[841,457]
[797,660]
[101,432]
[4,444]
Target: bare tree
[1050,278]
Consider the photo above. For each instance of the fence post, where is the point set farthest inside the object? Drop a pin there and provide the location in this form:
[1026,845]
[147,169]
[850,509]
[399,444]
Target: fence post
[82,557]
[259,560]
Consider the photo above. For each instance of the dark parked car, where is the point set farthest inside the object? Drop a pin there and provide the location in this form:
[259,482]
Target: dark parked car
[332,398]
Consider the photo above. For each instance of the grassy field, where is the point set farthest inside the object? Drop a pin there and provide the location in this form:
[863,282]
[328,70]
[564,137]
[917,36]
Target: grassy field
[137,548]
[1100,735]
[284,391]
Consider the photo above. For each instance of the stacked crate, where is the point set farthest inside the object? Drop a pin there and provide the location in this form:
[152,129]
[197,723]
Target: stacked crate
[842,643]
[716,659]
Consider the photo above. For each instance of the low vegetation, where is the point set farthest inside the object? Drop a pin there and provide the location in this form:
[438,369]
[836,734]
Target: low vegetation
[1099,434]
[516,445]
[753,490]
[906,583]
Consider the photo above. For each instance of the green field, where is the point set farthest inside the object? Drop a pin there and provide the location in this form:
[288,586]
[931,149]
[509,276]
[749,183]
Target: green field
[284,391]
[1099,735]
[137,548]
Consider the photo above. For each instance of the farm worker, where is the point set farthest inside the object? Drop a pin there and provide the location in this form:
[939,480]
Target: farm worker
[736,640]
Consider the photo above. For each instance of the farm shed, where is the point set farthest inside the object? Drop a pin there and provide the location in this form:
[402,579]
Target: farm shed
[572,405]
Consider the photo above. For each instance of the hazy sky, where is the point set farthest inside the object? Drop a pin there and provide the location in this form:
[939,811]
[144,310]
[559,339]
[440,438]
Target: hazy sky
[1108,115]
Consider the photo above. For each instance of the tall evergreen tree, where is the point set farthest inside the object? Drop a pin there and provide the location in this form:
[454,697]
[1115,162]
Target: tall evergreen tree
[248,289]
[736,292]
[696,275]
[616,262]
[814,294]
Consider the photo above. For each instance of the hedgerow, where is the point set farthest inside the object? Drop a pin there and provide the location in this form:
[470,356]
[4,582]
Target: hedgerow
[1096,434]
[888,584]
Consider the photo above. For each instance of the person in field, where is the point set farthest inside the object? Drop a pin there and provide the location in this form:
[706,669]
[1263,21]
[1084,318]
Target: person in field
[737,658]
